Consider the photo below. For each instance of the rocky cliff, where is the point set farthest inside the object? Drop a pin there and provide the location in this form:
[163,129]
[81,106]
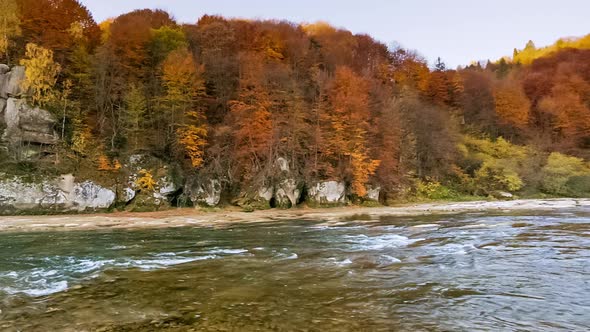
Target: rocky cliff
[28,134]
[24,131]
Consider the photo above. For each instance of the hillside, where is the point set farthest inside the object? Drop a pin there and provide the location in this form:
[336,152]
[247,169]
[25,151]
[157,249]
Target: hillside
[142,113]
[530,53]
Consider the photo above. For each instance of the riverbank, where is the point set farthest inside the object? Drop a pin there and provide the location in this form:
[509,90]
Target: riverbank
[229,216]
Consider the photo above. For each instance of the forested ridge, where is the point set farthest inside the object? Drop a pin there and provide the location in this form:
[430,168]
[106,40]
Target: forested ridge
[244,101]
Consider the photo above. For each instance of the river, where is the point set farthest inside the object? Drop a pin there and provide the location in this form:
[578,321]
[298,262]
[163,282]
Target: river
[525,271]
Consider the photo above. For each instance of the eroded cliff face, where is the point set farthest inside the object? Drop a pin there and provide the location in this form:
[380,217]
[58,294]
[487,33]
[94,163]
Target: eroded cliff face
[52,194]
[36,193]
[28,134]
[25,131]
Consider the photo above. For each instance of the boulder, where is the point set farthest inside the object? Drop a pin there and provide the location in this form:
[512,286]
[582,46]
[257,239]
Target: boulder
[328,192]
[282,164]
[4,68]
[164,187]
[287,193]
[502,195]
[147,199]
[28,125]
[265,193]
[207,193]
[2,109]
[129,194]
[53,194]
[3,80]
[373,193]
[11,86]
[66,183]
[90,195]
[18,194]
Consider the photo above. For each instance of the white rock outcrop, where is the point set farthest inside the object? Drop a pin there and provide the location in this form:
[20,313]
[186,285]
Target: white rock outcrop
[287,193]
[207,193]
[328,192]
[24,130]
[25,124]
[373,193]
[164,187]
[266,193]
[10,81]
[53,194]
[90,195]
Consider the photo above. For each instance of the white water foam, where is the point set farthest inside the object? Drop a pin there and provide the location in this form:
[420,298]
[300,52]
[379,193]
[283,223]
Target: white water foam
[62,271]
[385,260]
[154,264]
[227,251]
[343,262]
[42,290]
[363,242]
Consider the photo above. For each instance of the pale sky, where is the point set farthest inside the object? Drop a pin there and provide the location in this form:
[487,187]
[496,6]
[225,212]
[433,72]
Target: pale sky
[458,31]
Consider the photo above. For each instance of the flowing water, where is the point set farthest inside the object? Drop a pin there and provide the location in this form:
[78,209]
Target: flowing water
[467,272]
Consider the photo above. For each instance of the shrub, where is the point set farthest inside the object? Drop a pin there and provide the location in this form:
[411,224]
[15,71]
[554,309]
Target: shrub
[491,166]
[564,175]
[433,190]
[145,180]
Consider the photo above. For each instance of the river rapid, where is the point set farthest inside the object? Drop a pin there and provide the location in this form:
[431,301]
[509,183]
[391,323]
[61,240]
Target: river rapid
[523,271]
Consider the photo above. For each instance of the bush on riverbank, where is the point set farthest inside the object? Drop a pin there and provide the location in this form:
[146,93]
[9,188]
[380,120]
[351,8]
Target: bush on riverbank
[565,176]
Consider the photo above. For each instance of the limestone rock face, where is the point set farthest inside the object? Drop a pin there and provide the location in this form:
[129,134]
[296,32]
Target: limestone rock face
[53,194]
[4,69]
[164,187]
[10,82]
[28,125]
[207,193]
[20,124]
[129,194]
[328,192]
[373,193]
[2,110]
[287,193]
[18,194]
[266,193]
[90,195]
[283,164]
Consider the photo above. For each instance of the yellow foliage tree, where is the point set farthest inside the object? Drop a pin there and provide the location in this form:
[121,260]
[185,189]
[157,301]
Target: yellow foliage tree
[9,24]
[145,181]
[81,137]
[184,85]
[192,138]
[40,74]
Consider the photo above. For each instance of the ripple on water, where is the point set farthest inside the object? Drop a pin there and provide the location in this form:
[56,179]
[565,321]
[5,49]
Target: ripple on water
[412,276]
[63,271]
[364,242]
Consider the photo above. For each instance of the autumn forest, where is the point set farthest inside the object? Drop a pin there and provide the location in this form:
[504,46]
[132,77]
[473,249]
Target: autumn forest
[234,100]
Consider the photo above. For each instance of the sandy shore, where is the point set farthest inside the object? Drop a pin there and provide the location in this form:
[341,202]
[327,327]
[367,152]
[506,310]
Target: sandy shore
[227,217]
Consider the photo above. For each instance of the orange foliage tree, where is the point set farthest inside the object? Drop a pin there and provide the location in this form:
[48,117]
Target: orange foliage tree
[66,17]
[184,86]
[252,117]
[512,105]
[349,119]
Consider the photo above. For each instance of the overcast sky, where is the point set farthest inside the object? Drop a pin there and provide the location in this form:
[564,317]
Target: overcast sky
[459,31]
